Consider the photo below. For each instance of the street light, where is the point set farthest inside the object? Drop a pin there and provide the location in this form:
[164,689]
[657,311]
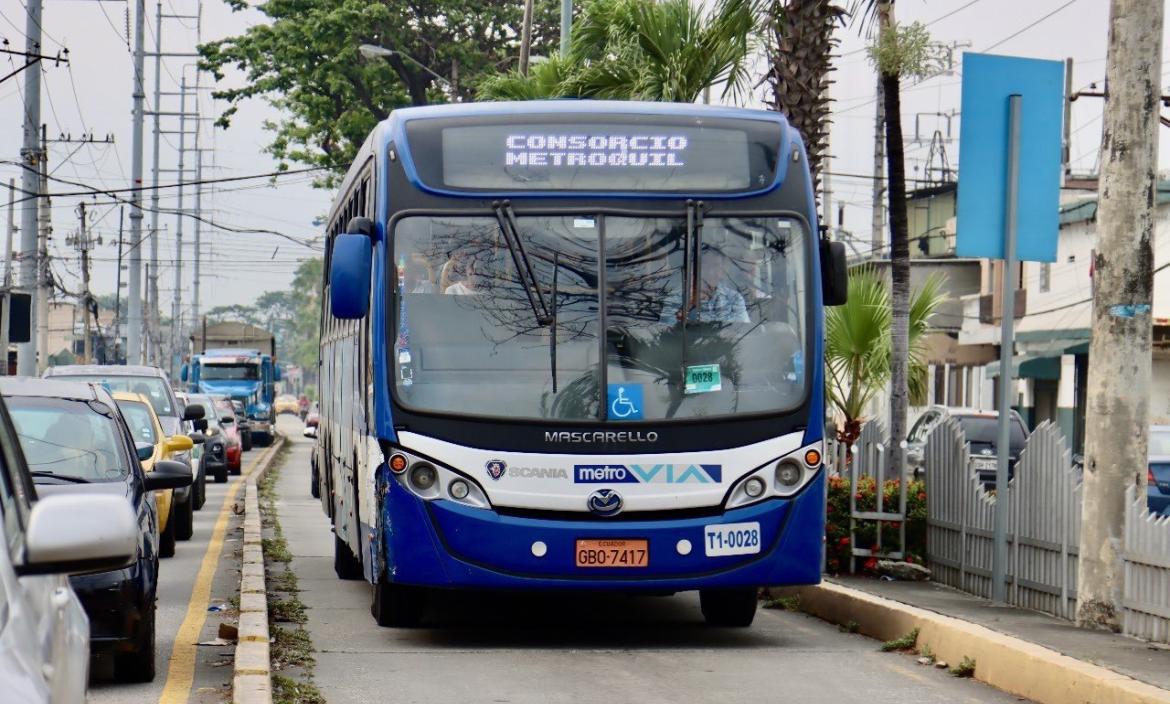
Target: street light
[373,51]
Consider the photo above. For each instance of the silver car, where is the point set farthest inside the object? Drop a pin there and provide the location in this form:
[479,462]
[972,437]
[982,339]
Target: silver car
[44,635]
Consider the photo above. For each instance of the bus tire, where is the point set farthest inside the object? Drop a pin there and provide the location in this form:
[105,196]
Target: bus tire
[345,563]
[397,605]
[314,480]
[733,608]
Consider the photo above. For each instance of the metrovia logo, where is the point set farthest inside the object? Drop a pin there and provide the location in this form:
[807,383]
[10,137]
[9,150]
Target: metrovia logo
[647,473]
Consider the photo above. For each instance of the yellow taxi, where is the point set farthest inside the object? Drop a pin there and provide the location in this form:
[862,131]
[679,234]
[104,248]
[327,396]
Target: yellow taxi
[147,430]
[286,403]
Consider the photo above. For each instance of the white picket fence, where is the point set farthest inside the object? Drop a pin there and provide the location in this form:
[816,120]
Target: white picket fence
[1044,521]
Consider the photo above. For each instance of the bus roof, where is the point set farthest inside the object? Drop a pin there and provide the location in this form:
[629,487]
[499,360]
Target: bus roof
[585,107]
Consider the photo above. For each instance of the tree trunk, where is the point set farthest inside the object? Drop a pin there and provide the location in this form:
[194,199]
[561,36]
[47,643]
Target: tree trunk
[1117,417]
[899,258]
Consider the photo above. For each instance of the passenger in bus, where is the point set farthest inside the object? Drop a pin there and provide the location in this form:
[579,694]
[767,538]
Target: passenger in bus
[468,284]
[417,276]
[714,300]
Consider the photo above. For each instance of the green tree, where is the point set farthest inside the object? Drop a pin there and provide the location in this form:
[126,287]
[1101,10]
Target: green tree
[305,61]
[663,50]
[858,344]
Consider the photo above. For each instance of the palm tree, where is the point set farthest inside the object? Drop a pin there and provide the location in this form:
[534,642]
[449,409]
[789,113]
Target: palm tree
[858,340]
[644,50]
[799,44]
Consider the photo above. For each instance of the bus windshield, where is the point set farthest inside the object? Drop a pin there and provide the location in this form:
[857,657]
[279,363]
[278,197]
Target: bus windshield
[641,331]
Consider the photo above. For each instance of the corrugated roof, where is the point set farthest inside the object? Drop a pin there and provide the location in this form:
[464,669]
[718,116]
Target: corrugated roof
[1086,210]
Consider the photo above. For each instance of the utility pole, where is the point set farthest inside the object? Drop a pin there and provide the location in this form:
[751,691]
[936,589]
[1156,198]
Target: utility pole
[6,290]
[84,244]
[566,25]
[30,158]
[176,310]
[118,290]
[526,38]
[877,238]
[198,256]
[134,304]
[44,230]
[1117,422]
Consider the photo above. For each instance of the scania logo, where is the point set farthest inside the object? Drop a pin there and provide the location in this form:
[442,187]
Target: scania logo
[605,502]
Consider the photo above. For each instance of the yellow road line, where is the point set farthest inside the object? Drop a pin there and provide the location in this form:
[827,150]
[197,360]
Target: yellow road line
[181,672]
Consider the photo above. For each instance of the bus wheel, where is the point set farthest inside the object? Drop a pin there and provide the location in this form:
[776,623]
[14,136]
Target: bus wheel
[735,608]
[345,564]
[397,605]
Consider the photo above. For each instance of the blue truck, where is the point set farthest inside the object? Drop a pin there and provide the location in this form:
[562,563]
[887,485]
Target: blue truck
[245,374]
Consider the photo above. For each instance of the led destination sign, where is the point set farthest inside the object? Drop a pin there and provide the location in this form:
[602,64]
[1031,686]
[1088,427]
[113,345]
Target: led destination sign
[658,150]
[628,153]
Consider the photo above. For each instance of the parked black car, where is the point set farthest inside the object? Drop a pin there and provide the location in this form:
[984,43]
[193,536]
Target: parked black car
[76,442]
[213,460]
[244,424]
[981,430]
[176,419]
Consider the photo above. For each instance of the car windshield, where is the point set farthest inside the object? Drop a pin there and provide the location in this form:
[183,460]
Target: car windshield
[152,387]
[470,342]
[208,407]
[137,415]
[68,438]
[229,372]
[985,430]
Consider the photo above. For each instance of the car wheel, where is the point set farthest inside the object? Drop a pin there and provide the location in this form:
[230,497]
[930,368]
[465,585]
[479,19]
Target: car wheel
[221,475]
[138,666]
[314,481]
[183,518]
[199,489]
[735,608]
[166,539]
[397,605]
[345,563]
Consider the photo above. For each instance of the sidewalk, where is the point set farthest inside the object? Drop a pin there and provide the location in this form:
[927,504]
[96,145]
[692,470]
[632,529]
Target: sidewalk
[1032,655]
[1137,659]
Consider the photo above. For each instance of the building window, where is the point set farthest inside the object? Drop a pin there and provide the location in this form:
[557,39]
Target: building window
[1045,277]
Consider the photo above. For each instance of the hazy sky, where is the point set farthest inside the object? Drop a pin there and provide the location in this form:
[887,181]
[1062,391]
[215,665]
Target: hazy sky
[93,93]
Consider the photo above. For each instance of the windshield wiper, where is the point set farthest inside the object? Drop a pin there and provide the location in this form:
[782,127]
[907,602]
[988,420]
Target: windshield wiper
[507,221]
[544,312]
[66,477]
[692,243]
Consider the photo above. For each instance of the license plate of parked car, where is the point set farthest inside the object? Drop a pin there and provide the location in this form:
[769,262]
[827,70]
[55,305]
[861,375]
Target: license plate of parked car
[613,553]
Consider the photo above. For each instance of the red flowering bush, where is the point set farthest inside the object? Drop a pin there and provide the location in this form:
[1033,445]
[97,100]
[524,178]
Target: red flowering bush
[837,521]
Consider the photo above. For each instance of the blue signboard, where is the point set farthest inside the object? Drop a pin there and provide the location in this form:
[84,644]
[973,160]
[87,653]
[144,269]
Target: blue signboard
[988,81]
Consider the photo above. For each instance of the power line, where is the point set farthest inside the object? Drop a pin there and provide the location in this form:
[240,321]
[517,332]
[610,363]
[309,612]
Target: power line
[1017,33]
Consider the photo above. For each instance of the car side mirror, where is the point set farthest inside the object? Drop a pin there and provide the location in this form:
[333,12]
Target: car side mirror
[192,411]
[227,419]
[79,533]
[179,443]
[310,431]
[168,474]
[834,273]
[144,450]
[200,425]
[183,373]
[197,438]
[349,271]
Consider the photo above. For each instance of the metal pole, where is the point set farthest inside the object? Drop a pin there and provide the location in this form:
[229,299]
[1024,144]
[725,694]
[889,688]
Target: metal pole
[30,157]
[176,312]
[83,241]
[118,290]
[566,25]
[153,308]
[134,292]
[526,38]
[6,289]
[1006,341]
[11,232]
[198,225]
[44,227]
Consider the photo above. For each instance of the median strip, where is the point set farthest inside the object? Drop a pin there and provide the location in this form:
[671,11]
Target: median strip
[1005,662]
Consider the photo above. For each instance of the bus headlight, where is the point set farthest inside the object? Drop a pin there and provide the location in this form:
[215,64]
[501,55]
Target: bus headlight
[430,480]
[782,477]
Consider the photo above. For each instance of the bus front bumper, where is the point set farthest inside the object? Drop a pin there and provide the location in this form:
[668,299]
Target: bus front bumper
[446,544]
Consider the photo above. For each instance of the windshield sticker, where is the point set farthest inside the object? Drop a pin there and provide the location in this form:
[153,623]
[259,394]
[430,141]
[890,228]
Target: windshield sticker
[647,473]
[625,401]
[703,378]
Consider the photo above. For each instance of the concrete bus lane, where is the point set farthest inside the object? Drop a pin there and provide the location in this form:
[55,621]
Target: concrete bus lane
[579,648]
[201,575]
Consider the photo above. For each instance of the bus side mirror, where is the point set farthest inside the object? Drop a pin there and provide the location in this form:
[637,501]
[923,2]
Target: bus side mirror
[349,271]
[834,273]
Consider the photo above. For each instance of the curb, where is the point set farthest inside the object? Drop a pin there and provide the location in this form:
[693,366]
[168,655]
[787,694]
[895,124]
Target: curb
[252,679]
[1002,661]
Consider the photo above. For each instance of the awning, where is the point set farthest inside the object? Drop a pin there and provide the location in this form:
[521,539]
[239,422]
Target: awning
[1041,360]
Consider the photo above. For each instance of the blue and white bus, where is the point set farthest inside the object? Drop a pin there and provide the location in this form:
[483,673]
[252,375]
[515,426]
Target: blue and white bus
[575,345]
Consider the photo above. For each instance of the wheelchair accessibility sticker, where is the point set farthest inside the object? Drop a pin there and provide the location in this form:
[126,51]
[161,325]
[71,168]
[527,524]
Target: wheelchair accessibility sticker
[625,401]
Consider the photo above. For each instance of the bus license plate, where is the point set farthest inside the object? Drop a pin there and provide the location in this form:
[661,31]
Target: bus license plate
[731,539]
[613,553]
